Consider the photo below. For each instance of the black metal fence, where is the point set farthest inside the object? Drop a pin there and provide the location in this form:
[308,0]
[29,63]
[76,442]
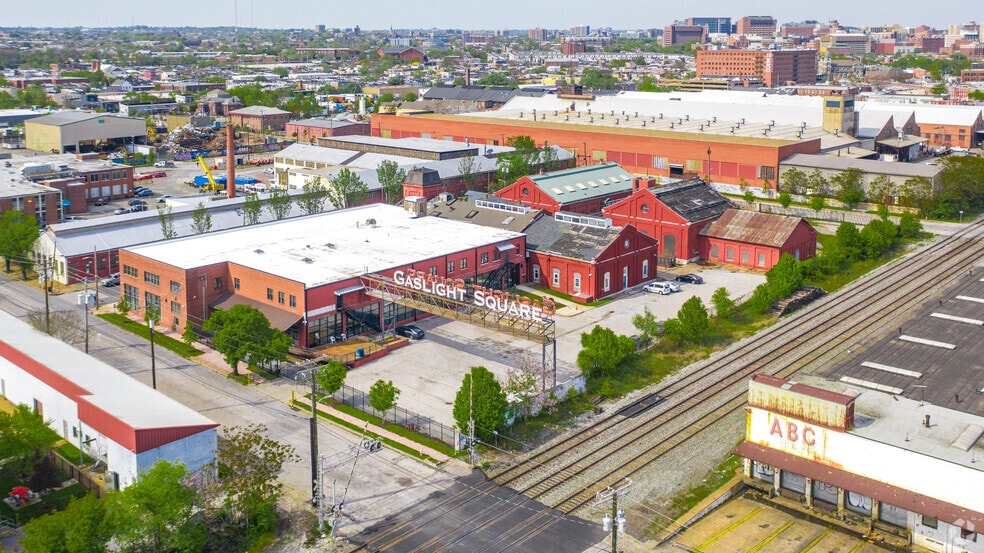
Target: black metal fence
[420,424]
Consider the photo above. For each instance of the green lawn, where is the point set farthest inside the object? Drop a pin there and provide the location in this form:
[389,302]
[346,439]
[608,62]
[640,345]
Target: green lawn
[140,329]
[57,500]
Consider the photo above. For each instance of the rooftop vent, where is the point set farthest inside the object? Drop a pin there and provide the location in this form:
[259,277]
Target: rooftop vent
[257,250]
[308,260]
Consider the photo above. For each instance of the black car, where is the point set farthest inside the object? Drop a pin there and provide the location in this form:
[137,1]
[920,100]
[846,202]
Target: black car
[691,278]
[136,202]
[410,331]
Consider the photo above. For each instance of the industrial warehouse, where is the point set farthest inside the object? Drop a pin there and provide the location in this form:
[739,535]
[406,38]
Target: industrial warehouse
[305,273]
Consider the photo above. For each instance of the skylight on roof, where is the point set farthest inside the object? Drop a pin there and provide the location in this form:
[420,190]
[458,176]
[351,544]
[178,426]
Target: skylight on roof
[556,190]
[580,186]
[568,188]
[592,184]
[508,220]
[471,214]
[626,177]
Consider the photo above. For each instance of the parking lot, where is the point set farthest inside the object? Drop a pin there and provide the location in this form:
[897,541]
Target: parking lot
[430,371]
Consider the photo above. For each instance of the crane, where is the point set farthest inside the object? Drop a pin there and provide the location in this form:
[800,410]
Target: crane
[212,185]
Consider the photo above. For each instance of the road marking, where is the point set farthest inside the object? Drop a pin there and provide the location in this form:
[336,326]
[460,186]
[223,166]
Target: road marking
[771,537]
[728,529]
[819,538]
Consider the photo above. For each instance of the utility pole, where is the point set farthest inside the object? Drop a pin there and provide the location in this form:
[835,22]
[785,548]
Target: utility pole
[47,305]
[471,420]
[85,309]
[153,362]
[314,441]
[614,521]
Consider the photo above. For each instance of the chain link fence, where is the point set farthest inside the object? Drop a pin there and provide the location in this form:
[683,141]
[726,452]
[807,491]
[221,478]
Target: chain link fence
[420,424]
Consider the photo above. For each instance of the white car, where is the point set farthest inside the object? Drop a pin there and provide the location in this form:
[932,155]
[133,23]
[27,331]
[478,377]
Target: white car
[268,171]
[665,288]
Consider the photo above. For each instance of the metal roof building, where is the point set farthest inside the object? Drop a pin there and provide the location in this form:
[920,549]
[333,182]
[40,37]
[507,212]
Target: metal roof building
[584,189]
[110,416]
[76,131]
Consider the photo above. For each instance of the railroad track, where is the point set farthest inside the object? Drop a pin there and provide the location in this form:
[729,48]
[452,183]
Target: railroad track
[567,473]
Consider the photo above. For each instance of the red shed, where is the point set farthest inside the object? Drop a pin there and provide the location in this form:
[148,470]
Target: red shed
[673,213]
[752,239]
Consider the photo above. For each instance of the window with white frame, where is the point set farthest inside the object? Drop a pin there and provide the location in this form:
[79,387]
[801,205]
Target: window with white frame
[556,277]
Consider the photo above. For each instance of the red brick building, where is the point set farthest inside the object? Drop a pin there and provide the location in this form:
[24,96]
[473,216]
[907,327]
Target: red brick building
[583,189]
[588,262]
[756,240]
[773,67]
[310,130]
[260,118]
[759,25]
[732,159]
[674,214]
[403,54]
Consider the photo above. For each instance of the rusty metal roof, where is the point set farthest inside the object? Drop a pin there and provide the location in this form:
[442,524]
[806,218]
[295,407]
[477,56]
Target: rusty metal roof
[752,227]
[691,199]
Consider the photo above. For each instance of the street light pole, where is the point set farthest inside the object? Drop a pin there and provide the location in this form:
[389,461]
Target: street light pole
[153,360]
[708,164]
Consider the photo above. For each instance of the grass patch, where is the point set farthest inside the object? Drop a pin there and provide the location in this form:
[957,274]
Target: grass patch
[689,498]
[54,501]
[376,421]
[140,329]
[70,452]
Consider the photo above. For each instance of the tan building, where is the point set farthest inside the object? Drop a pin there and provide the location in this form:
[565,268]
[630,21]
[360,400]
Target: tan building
[774,68]
[75,131]
[758,25]
[260,118]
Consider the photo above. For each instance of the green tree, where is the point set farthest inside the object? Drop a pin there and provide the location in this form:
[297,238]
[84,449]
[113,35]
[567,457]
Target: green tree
[281,72]
[80,528]
[313,197]
[647,324]
[749,197]
[243,332]
[241,505]
[157,513]
[785,200]
[793,181]
[693,320]
[849,238]
[252,207]
[201,221]
[382,395]
[849,186]
[485,403]
[278,204]
[785,276]
[495,79]
[347,190]
[167,222]
[25,437]
[817,203]
[466,170]
[909,226]
[977,95]
[818,183]
[409,97]
[18,231]
[723,304]
[602,351]
[331,377]
[938,89]
[598,80]
[391,178]
[881,190]
[878,236]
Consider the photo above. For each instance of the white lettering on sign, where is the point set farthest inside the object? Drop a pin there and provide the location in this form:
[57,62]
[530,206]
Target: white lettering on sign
[496,300]
[794,432]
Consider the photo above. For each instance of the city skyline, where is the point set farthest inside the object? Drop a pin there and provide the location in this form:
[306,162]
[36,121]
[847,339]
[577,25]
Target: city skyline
[442,14]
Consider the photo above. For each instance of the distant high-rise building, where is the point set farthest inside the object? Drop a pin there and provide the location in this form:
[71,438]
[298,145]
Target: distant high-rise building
[773,67]
[713,24]
[319,28]
[682,34]
[581,30]
[571,47]
[537,34]
[758,25]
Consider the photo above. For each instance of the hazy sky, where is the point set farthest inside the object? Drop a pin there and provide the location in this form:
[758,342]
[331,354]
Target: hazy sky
[511,14]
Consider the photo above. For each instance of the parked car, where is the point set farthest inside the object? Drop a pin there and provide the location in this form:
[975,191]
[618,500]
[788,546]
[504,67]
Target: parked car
[690,278]
[121,210]
[139,188]
[145,193]
[111,280]
[136,202]
[410,331]
[164,198]
[664,288]
[102,201]
[268,171]
[138,207]
[163,164]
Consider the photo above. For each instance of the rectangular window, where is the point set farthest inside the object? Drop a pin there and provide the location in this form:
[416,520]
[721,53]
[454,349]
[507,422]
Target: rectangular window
[607,282]
[132,296]
[450,266]
[175,287]
[714,251]
[433,269]
[464,263]
[151,278]
[767,172]
[116,175]
[744,257]
[270,294]
[105,176]
[930,522]
[485,258]
[694,165]
[129,271]
[175,308]
[496,255]
[94,177]
[235,283]
[293,300]
[536,273]
[660,162]
[218,283]
[556,277]
[761,260]
[645,268]
[280,297]
[153,303]
[730,254]
[577,282]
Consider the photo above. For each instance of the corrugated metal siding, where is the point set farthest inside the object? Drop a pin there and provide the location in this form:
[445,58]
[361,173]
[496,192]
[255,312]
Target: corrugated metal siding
[809,404]
[107,425]
[150,438]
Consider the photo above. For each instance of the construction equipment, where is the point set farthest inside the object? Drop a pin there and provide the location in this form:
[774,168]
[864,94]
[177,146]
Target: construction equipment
[212,185]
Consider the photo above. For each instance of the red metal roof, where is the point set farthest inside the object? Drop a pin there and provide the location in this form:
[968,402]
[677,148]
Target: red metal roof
[752,227]
[886,493]
[804,389]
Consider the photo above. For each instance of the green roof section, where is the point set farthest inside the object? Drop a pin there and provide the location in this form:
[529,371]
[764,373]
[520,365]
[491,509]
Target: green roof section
[582,183]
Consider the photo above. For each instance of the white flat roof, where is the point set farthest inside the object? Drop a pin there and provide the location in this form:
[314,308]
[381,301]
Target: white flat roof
[328,247]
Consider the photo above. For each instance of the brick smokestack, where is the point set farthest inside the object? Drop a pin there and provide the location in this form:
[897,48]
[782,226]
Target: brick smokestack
[468,76]
[230,161]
